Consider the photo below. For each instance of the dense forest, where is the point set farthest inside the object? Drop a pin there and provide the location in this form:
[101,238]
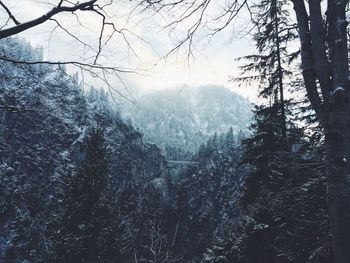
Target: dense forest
[78,184]
[188,174]
[180,119]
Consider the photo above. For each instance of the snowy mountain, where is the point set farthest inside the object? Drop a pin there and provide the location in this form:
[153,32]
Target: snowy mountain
[179,120]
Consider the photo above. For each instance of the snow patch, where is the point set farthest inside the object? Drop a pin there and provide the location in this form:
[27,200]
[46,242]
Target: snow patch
[338,90]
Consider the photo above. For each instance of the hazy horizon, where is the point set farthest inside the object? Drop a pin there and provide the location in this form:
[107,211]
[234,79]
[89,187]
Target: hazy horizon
[213,62]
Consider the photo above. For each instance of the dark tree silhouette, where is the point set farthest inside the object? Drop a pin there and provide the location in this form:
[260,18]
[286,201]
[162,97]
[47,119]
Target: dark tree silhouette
[325,70]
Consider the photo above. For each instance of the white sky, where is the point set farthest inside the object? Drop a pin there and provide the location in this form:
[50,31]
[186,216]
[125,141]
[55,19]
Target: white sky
[213,63]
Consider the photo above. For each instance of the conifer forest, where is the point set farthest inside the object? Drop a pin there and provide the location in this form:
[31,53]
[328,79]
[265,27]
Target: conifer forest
[174,131]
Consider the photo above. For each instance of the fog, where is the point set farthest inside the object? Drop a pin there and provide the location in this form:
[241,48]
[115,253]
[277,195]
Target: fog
[144,46]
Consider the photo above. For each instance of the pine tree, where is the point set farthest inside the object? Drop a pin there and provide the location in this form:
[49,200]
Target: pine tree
[276,157]
[260,152]
[283,193]
[86,232]
[270,67]
[205,196]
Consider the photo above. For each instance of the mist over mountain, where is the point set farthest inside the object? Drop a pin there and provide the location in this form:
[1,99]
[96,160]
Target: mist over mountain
[179,120]
[73,173]
[79,184]
[189,174]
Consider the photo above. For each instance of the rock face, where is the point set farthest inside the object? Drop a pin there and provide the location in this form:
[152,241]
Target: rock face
[180,120]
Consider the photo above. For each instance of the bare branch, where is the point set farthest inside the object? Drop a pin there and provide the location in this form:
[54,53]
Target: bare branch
[73,63]
[11,16]
[85,6]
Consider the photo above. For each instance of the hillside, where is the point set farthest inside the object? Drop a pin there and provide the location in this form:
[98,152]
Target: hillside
[179,120]
[46,133]
[71,166]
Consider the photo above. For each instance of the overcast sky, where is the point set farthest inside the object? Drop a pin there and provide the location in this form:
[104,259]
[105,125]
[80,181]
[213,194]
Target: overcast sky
[213,61]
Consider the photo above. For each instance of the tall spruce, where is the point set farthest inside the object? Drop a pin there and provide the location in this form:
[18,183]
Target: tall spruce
[86,231]
[261,152]
[282,193]
[273,31]
[270,68]
[276,142]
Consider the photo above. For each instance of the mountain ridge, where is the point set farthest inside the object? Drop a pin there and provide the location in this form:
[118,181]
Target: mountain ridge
[181,119]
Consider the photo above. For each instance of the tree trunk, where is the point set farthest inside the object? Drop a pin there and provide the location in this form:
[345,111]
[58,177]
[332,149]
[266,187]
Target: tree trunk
[338,169]
[307,59]
[333,112]
[319,49]
[280,73]
[338,133]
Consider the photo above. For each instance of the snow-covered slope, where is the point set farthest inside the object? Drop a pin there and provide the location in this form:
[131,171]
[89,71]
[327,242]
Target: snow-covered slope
[181,119]
[45,117]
